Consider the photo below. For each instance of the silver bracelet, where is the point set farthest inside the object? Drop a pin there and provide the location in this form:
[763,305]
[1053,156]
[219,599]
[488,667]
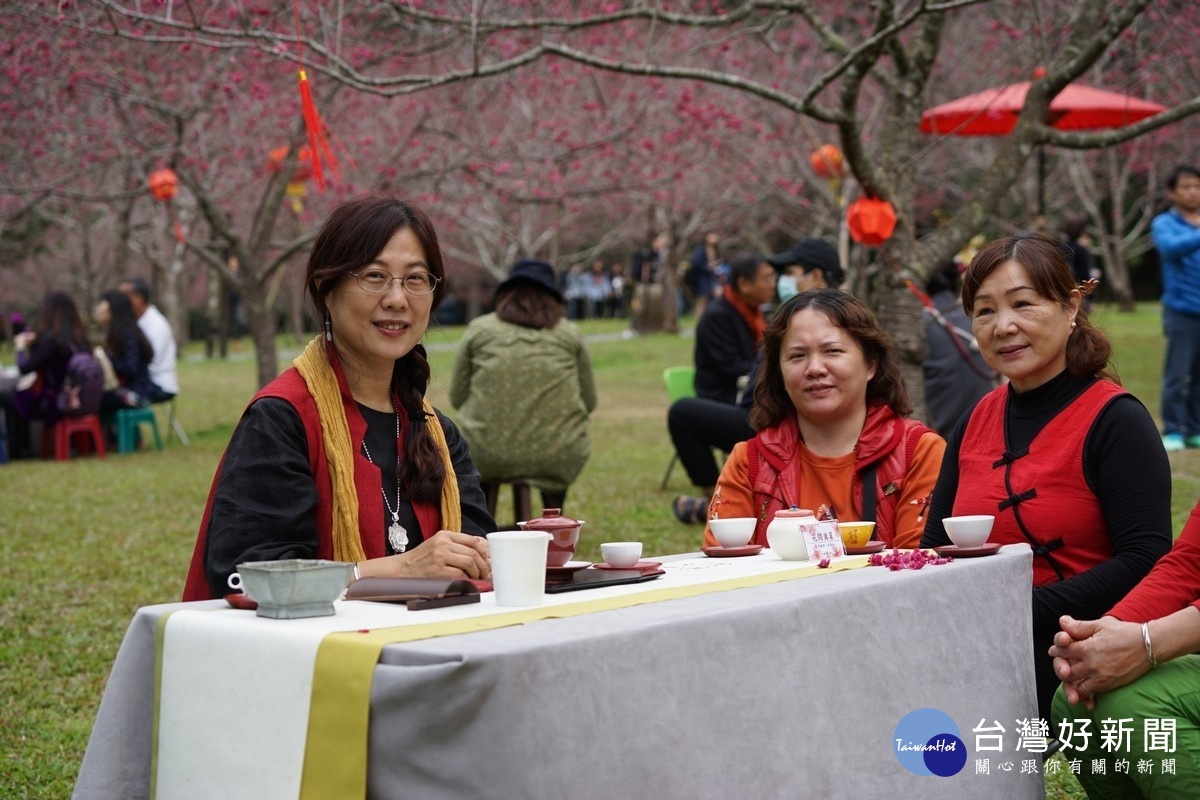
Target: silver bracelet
[358,577]
[1149,647]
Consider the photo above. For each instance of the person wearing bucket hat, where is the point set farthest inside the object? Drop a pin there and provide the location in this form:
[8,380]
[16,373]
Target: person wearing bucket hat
[530,271]
[522,382]
[809,264]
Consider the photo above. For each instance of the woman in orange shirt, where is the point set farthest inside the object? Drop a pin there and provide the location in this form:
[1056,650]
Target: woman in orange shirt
[830,410]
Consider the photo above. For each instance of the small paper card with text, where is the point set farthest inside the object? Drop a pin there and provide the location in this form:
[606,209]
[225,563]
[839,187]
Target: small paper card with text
[823,540]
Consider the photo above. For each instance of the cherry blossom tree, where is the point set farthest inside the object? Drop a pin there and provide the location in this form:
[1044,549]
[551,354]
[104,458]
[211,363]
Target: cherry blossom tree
[570,129]
[859,72]
[125,113]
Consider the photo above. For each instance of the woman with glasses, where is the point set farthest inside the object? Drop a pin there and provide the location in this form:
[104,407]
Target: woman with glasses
[341,457]
[523,384]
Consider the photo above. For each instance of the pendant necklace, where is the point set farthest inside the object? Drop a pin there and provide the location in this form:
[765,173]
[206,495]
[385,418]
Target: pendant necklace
[397,535]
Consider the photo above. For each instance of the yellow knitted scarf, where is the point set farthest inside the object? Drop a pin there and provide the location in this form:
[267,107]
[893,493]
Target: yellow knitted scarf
[313,365]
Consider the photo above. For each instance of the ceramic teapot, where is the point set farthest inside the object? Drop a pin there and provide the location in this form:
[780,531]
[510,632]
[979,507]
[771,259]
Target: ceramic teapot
[564,534]
[785,534]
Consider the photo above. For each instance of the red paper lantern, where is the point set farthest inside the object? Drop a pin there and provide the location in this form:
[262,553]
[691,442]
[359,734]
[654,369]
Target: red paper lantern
[871,221]
[163,184]
[304,165]
[827,162]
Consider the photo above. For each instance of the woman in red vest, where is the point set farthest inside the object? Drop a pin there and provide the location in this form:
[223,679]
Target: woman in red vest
[830,410]
[1065,460]
[341,457]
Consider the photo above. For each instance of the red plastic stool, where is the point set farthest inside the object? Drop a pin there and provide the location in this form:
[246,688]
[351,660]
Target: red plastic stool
[66,428]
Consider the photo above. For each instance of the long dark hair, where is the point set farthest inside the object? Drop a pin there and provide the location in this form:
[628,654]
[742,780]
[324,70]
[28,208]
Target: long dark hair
[61,323]
[352,236]
[122,323]
[1088,350]
[771,401]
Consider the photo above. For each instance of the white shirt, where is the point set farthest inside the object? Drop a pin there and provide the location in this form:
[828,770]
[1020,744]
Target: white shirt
[162,339]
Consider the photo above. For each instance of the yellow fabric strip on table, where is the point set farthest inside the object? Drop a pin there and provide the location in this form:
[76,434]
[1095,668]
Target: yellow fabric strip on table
[300,689]
[338,716]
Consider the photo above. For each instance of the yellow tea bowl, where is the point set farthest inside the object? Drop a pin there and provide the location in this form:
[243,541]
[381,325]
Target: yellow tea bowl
[856,534]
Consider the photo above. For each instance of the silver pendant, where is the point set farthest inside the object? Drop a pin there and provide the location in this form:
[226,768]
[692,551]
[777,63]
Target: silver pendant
[397,536]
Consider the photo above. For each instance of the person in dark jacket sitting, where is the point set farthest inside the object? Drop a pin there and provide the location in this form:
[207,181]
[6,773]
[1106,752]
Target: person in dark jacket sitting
[729,333]
[129,351]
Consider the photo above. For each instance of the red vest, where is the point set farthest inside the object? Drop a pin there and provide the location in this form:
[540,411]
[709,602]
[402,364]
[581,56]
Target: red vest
[1039,495]
[290,387]
[887,443]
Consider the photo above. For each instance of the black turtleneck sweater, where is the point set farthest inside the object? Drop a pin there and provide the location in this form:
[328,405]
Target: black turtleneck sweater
[1127,469]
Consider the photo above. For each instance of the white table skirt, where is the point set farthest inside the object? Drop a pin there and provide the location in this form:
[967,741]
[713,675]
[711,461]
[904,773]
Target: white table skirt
[787,690]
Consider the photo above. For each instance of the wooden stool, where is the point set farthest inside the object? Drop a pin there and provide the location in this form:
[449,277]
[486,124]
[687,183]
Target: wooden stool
[62,432]
[128,420]
[522,505]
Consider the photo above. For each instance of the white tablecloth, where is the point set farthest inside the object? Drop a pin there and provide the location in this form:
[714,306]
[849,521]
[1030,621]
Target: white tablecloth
[787,690]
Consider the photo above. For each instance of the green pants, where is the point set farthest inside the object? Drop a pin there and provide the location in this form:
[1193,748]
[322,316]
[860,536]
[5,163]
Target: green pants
[1134,770]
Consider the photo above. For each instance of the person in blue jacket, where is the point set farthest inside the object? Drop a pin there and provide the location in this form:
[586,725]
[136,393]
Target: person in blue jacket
[1176,234]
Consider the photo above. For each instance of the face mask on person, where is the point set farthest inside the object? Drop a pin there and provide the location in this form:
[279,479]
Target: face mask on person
[786,288]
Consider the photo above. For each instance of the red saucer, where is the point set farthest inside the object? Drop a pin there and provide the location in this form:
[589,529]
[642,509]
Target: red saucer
[872,546]
[642,565]
[239,600]
[954,551]
[566,570]
[731,552]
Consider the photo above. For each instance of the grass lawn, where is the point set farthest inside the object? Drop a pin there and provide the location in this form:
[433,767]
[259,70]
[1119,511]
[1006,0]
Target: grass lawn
[86,542]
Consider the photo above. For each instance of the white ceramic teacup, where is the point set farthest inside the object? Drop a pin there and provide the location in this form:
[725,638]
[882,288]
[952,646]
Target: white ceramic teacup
[519,566]
[732,531]
[621,554]
[235,582]
[969,531]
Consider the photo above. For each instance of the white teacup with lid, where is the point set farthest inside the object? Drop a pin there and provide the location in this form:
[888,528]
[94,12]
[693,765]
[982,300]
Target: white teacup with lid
[785,534]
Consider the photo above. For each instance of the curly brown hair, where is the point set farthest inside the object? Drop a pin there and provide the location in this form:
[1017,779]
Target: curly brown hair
[771,401]
[1088,350]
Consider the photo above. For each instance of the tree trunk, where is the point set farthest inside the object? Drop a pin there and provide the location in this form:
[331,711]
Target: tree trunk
[899,313]
[1116,271]
[670,297]
[174,310]
[296,295]
[261,323]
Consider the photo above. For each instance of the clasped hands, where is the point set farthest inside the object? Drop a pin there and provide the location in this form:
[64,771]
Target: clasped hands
[1093,656]
[446,554]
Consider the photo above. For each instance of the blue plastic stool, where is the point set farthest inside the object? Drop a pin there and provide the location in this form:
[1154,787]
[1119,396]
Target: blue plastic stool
[128,420]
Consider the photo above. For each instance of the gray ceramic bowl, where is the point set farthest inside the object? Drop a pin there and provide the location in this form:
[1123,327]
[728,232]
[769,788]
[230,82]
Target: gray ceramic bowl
[295,588]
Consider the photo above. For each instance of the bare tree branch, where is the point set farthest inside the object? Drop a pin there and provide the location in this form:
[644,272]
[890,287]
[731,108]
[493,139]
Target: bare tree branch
[1082,140]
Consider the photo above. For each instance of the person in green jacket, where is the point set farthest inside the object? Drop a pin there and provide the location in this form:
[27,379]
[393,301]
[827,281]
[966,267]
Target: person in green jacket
[523,386]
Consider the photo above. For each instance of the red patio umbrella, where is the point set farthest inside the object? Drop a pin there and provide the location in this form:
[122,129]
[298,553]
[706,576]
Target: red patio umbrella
[994,112]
